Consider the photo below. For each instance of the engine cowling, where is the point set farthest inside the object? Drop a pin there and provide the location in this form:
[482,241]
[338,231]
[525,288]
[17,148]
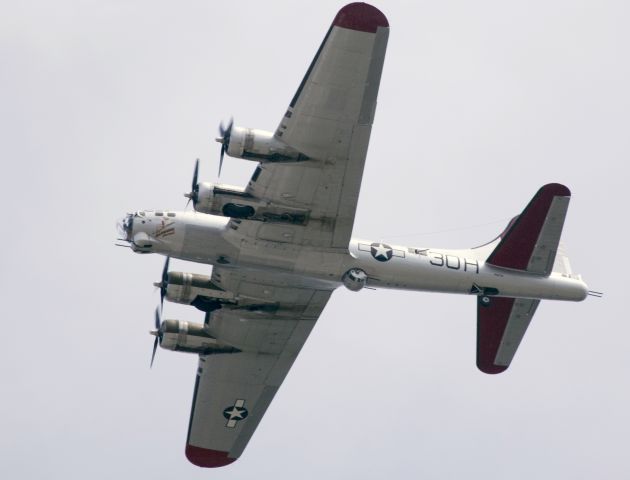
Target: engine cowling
[226,200]
[197,290]
[190,337]
[205,197]
[260,145]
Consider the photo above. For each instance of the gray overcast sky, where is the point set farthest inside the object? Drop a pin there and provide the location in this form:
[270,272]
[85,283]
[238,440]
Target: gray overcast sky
[104,107]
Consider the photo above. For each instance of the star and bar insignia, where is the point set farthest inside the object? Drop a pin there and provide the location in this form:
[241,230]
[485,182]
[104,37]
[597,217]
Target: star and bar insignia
[235,413]
[381,251]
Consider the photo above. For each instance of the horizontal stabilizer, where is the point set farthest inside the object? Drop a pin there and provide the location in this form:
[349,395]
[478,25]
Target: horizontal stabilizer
[531,241]
[501,325]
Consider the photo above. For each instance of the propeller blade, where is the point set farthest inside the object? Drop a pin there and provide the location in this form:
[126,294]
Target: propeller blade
[221,158]
[164,281]
[194,189]
[155,345]
[165,269]
[157,333]
[158,322]
[226,133]
[195,174]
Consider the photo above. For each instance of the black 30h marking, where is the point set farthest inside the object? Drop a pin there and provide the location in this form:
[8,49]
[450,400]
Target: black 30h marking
[452,261]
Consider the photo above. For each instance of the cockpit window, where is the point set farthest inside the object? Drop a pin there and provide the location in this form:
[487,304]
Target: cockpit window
[159,214]
[170,214]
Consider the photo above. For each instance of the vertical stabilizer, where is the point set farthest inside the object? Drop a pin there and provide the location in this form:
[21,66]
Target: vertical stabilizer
[531,241]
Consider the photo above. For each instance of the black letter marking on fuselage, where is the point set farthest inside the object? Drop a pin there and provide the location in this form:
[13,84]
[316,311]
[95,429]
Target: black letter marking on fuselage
[440,257]
[440,260]
[456,267]
[468,262]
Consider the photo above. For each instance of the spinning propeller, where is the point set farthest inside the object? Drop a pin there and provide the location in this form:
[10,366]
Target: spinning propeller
[157,333]
[163,283]
[224,140]
[194,191]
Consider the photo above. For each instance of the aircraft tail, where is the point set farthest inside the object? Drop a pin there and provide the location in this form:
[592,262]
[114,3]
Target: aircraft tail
[529,244]
[531,241]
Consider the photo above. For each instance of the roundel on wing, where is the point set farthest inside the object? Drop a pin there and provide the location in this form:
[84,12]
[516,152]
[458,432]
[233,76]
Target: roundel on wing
[381,252]
[235,413]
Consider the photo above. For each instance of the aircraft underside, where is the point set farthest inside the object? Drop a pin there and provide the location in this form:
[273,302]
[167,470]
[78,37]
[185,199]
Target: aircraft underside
[281,245]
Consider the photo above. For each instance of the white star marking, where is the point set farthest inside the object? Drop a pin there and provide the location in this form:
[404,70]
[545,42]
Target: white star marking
[235,413]
[381,251]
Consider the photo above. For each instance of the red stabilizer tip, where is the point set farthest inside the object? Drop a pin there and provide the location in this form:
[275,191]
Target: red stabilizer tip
[361,17]
[203,457]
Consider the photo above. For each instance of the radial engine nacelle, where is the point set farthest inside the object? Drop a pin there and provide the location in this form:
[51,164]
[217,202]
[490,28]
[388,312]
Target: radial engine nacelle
[196,290]
[226,200]
[259,145]
[189,337]
[234,202]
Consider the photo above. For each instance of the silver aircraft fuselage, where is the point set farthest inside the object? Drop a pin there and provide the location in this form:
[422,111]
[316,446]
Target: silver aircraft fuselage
[208,239]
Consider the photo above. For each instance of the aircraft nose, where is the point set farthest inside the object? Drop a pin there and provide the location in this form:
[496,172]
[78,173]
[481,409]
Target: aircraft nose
[125,227]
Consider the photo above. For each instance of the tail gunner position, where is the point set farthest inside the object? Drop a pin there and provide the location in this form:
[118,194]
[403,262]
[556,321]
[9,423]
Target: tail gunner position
[282,244]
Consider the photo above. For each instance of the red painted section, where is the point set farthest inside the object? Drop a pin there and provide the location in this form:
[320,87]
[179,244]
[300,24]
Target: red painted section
[491,323]
[361,17]
[203,457]
[517,244]
[509,226]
